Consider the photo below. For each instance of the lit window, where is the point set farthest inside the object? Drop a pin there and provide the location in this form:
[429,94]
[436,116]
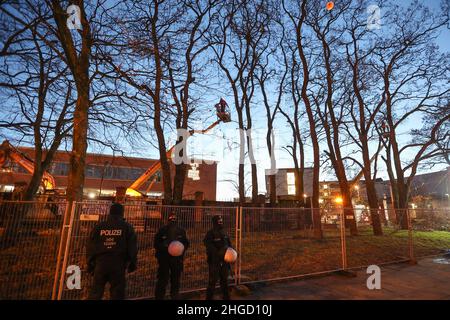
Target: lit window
[290,178]
[291,190]
[291,183]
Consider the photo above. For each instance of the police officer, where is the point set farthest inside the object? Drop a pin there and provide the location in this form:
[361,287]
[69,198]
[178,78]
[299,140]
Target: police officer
[217,242]
[111,250]
[169,266]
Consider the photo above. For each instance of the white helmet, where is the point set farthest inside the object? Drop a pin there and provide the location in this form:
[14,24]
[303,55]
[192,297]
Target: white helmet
[230,255]
[176,248]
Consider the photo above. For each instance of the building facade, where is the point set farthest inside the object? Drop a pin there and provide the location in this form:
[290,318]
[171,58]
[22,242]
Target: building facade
[105,173]
[285,183]
[430,190]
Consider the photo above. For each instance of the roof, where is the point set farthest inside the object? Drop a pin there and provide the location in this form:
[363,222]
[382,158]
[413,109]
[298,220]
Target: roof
[431,184]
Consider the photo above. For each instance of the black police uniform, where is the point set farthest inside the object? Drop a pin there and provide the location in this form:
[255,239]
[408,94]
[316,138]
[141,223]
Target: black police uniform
[112,248]
[217,242]
[169,266]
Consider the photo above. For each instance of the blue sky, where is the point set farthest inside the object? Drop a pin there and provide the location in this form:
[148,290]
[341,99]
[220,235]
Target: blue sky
[220,145]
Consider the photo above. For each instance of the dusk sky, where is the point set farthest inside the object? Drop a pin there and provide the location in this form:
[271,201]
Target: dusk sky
[221,144]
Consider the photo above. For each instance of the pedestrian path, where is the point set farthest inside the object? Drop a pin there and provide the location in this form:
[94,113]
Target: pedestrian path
[428,279]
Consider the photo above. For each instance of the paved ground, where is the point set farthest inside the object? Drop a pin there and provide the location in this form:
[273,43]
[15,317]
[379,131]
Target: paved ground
[425,280]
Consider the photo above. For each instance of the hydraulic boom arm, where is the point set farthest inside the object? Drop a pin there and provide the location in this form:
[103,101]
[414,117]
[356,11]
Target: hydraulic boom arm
[7,151]
[133,190]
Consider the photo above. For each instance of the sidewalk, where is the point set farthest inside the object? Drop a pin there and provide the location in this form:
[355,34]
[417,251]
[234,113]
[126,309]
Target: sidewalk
[425,280]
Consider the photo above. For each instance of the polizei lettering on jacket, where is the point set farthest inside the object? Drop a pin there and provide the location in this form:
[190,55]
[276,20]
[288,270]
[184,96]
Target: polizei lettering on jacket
[111,233]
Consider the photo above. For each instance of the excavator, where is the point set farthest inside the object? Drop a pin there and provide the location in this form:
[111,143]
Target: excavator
[8,154]
[223,115]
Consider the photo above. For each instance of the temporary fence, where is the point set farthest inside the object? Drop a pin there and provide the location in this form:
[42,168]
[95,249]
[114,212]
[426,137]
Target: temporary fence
[146,219]
[43,245]
[30,235]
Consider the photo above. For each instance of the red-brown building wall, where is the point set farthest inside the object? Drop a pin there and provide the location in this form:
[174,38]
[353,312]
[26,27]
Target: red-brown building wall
[104,164]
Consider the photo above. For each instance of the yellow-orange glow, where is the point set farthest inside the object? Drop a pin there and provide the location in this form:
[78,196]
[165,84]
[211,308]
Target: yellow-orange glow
[330,5]
[133,193]
[339,200]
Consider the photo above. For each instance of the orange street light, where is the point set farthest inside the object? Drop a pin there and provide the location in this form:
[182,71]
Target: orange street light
[339,200]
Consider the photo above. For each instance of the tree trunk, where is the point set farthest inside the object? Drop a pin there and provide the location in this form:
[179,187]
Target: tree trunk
[346,193]
[33,185]
[373,204]
[371,192]
[273,189]
[79,143]
[312,126]
[178,183]
[254,183]
[78,62]
[273,165]
[241,173]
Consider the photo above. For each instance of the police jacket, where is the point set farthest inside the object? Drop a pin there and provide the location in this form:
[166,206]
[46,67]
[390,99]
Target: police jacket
[165,235]
[113,239]
[216,242]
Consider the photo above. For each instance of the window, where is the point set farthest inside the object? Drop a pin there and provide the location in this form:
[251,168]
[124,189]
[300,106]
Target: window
[291,183]
[60,169]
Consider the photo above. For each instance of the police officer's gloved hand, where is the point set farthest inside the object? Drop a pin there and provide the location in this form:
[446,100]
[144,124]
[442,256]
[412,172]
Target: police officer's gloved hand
[131,267]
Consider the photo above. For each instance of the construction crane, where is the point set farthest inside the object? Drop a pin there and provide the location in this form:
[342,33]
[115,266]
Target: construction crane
[223,114]
[9,152]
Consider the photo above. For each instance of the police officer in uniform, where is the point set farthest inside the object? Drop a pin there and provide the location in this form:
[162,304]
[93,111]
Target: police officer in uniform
[169,266]
[217,242]
[111,250]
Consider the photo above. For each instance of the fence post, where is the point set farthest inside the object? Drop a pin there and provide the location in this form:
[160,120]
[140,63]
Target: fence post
[239,241]
[71,210]
[62,239]
[343,241]
[236,241]
[412,259]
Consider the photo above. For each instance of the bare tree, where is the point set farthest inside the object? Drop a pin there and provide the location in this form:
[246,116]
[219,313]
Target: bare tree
[297,149]
[268,74]
[239,40]
[164,45]
[77,58]
[415,82]
[298,15]
[35,82]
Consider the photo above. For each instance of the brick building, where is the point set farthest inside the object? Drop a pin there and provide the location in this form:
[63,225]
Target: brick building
[104,173]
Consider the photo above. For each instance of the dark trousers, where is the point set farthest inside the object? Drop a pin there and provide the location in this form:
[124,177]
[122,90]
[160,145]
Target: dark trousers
[168,268]
[112,272]
[218,271]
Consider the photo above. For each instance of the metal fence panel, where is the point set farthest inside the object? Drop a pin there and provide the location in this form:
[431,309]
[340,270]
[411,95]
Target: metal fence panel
[367,249]
[431,231]
[39,241]
[29,239]
[147,219]
[279,243]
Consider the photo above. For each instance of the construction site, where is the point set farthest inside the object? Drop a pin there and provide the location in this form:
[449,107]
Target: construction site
[246,145]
